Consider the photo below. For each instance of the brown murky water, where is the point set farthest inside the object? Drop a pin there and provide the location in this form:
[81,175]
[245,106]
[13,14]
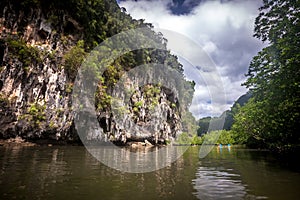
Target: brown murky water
[70,172]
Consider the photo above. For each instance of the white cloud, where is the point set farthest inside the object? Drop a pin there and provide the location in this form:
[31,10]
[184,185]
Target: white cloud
[223,29]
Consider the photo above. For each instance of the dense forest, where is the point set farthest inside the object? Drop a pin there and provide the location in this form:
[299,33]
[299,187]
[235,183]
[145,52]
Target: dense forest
[270,119]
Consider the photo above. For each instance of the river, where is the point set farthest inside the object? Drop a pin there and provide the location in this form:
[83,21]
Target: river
[70,172]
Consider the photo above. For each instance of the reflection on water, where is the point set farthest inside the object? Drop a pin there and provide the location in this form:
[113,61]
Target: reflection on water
[28,172]
[72,173]
[217,182]
[214,183]
[146,159]
[228,173]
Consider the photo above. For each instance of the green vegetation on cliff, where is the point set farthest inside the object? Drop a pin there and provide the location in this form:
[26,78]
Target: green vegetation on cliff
[26,54]
[51,39]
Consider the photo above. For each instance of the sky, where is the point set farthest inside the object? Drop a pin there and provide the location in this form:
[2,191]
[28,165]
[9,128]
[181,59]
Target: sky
[222,28]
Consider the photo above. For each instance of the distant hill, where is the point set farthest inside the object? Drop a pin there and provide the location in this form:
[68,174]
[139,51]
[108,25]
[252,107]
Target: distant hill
[203,125]
[242,100]
[204,122]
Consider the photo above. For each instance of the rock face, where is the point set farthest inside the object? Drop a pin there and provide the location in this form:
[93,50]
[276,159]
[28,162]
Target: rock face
[36,86]
[35,101]
[151,115]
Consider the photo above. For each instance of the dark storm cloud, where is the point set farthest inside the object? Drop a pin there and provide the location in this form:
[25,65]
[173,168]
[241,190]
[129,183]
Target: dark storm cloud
[179,7]
[183,7]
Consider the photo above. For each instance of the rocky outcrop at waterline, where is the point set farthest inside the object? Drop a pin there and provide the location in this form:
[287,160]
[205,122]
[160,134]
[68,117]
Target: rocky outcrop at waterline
[17,141]
[42,47]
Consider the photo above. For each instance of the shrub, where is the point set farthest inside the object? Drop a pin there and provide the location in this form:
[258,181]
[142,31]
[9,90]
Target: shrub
[73,59]
[26,54]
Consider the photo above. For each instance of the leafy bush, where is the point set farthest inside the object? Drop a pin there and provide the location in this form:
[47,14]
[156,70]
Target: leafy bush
[73,59]
[35,114]
[184,138]
[138,104]
[196,140]
[26,54]
[225,137]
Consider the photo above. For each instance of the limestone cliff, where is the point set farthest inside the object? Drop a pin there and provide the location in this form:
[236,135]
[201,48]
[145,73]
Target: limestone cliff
[42,46]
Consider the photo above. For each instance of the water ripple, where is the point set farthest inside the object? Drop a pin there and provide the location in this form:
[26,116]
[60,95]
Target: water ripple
[211,183]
